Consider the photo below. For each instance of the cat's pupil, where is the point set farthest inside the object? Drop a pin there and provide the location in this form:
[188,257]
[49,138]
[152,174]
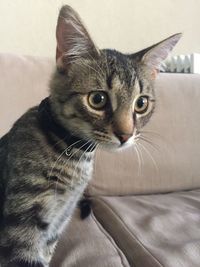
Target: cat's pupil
[140,102]
[98,98]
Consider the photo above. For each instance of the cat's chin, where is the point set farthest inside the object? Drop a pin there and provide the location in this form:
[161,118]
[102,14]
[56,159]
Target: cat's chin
[111,146]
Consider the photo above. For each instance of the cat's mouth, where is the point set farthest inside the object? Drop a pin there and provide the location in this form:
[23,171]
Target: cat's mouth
[116,140]
[108,140]
[113,142]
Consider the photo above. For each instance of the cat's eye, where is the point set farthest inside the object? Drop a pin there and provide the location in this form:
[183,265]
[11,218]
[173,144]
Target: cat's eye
[97,100]
[141,104]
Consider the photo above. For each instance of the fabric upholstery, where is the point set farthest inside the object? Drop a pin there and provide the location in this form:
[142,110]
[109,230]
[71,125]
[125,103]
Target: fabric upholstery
[87,244]
[23,84]
[154,230]
[171,162]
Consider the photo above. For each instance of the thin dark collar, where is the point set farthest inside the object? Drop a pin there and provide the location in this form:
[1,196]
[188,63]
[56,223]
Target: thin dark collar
[49,124]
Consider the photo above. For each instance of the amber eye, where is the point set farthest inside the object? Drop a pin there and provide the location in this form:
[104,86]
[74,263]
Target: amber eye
[97,100]
[141,104]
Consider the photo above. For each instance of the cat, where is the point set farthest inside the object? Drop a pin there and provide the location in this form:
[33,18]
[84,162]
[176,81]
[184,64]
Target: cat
[97,98]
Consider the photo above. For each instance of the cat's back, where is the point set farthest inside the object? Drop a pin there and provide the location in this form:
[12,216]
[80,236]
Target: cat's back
[3,156]
[3,152]
[20,148]
[21,134]
[22,140]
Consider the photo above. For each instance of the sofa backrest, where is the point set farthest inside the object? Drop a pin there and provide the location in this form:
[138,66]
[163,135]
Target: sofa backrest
[23,83]
[170,158]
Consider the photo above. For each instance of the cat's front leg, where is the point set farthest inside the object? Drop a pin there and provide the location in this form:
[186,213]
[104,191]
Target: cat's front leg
[22,263]
[23,250]
[23,232]
[49,247]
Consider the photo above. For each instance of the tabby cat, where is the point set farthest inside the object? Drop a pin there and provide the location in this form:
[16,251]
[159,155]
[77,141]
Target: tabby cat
[97,97]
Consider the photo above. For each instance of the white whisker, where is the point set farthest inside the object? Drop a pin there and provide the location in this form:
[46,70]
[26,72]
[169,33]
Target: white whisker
[139,160]
[153,133]
[81,62]
[143,138]
[96,63]
[76,151]
[150,156]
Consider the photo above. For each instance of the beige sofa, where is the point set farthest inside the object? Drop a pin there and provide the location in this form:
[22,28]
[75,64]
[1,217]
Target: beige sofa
[146,203]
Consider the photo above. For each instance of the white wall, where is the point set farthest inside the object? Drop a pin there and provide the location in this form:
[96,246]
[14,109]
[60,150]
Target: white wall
[28,26]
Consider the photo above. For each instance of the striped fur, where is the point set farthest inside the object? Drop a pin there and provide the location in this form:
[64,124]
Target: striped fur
[41,188]
[42,177]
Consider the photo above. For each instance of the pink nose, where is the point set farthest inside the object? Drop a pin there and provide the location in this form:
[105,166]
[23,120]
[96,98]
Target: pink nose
[123,138]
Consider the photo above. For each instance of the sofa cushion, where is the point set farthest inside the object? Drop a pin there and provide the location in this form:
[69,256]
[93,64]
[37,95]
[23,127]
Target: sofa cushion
[169,159]
[154,230]
[87,244]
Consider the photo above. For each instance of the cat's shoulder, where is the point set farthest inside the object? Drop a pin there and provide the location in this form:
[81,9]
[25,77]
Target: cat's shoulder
[25,127]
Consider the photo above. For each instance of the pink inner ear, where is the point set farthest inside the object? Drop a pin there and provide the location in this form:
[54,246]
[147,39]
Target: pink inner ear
[60,36]
[154,74]
[73,40]
[58,53]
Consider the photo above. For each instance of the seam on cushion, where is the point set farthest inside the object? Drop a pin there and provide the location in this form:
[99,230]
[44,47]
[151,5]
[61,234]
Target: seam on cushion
[130,232]
[109,237]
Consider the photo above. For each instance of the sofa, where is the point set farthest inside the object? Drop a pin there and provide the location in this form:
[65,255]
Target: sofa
[145,200]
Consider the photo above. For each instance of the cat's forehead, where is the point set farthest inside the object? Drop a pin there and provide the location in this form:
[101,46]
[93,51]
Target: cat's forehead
[120,74]
[112,71]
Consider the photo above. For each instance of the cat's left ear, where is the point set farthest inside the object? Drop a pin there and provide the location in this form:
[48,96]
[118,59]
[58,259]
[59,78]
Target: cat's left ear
[156,54]
[73,40]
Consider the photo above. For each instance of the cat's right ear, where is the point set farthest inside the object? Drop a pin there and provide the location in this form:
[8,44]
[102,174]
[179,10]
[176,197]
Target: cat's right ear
[73,40]
[153,56]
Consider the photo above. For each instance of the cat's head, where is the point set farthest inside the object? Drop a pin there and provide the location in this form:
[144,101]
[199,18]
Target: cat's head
[103,95]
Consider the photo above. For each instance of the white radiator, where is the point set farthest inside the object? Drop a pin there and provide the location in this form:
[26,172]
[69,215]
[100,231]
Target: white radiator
[182,64]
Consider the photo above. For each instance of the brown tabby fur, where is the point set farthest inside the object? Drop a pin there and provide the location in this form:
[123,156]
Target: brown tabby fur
[43,176]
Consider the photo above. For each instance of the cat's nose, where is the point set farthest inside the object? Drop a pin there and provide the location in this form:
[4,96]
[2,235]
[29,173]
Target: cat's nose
[123,138]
